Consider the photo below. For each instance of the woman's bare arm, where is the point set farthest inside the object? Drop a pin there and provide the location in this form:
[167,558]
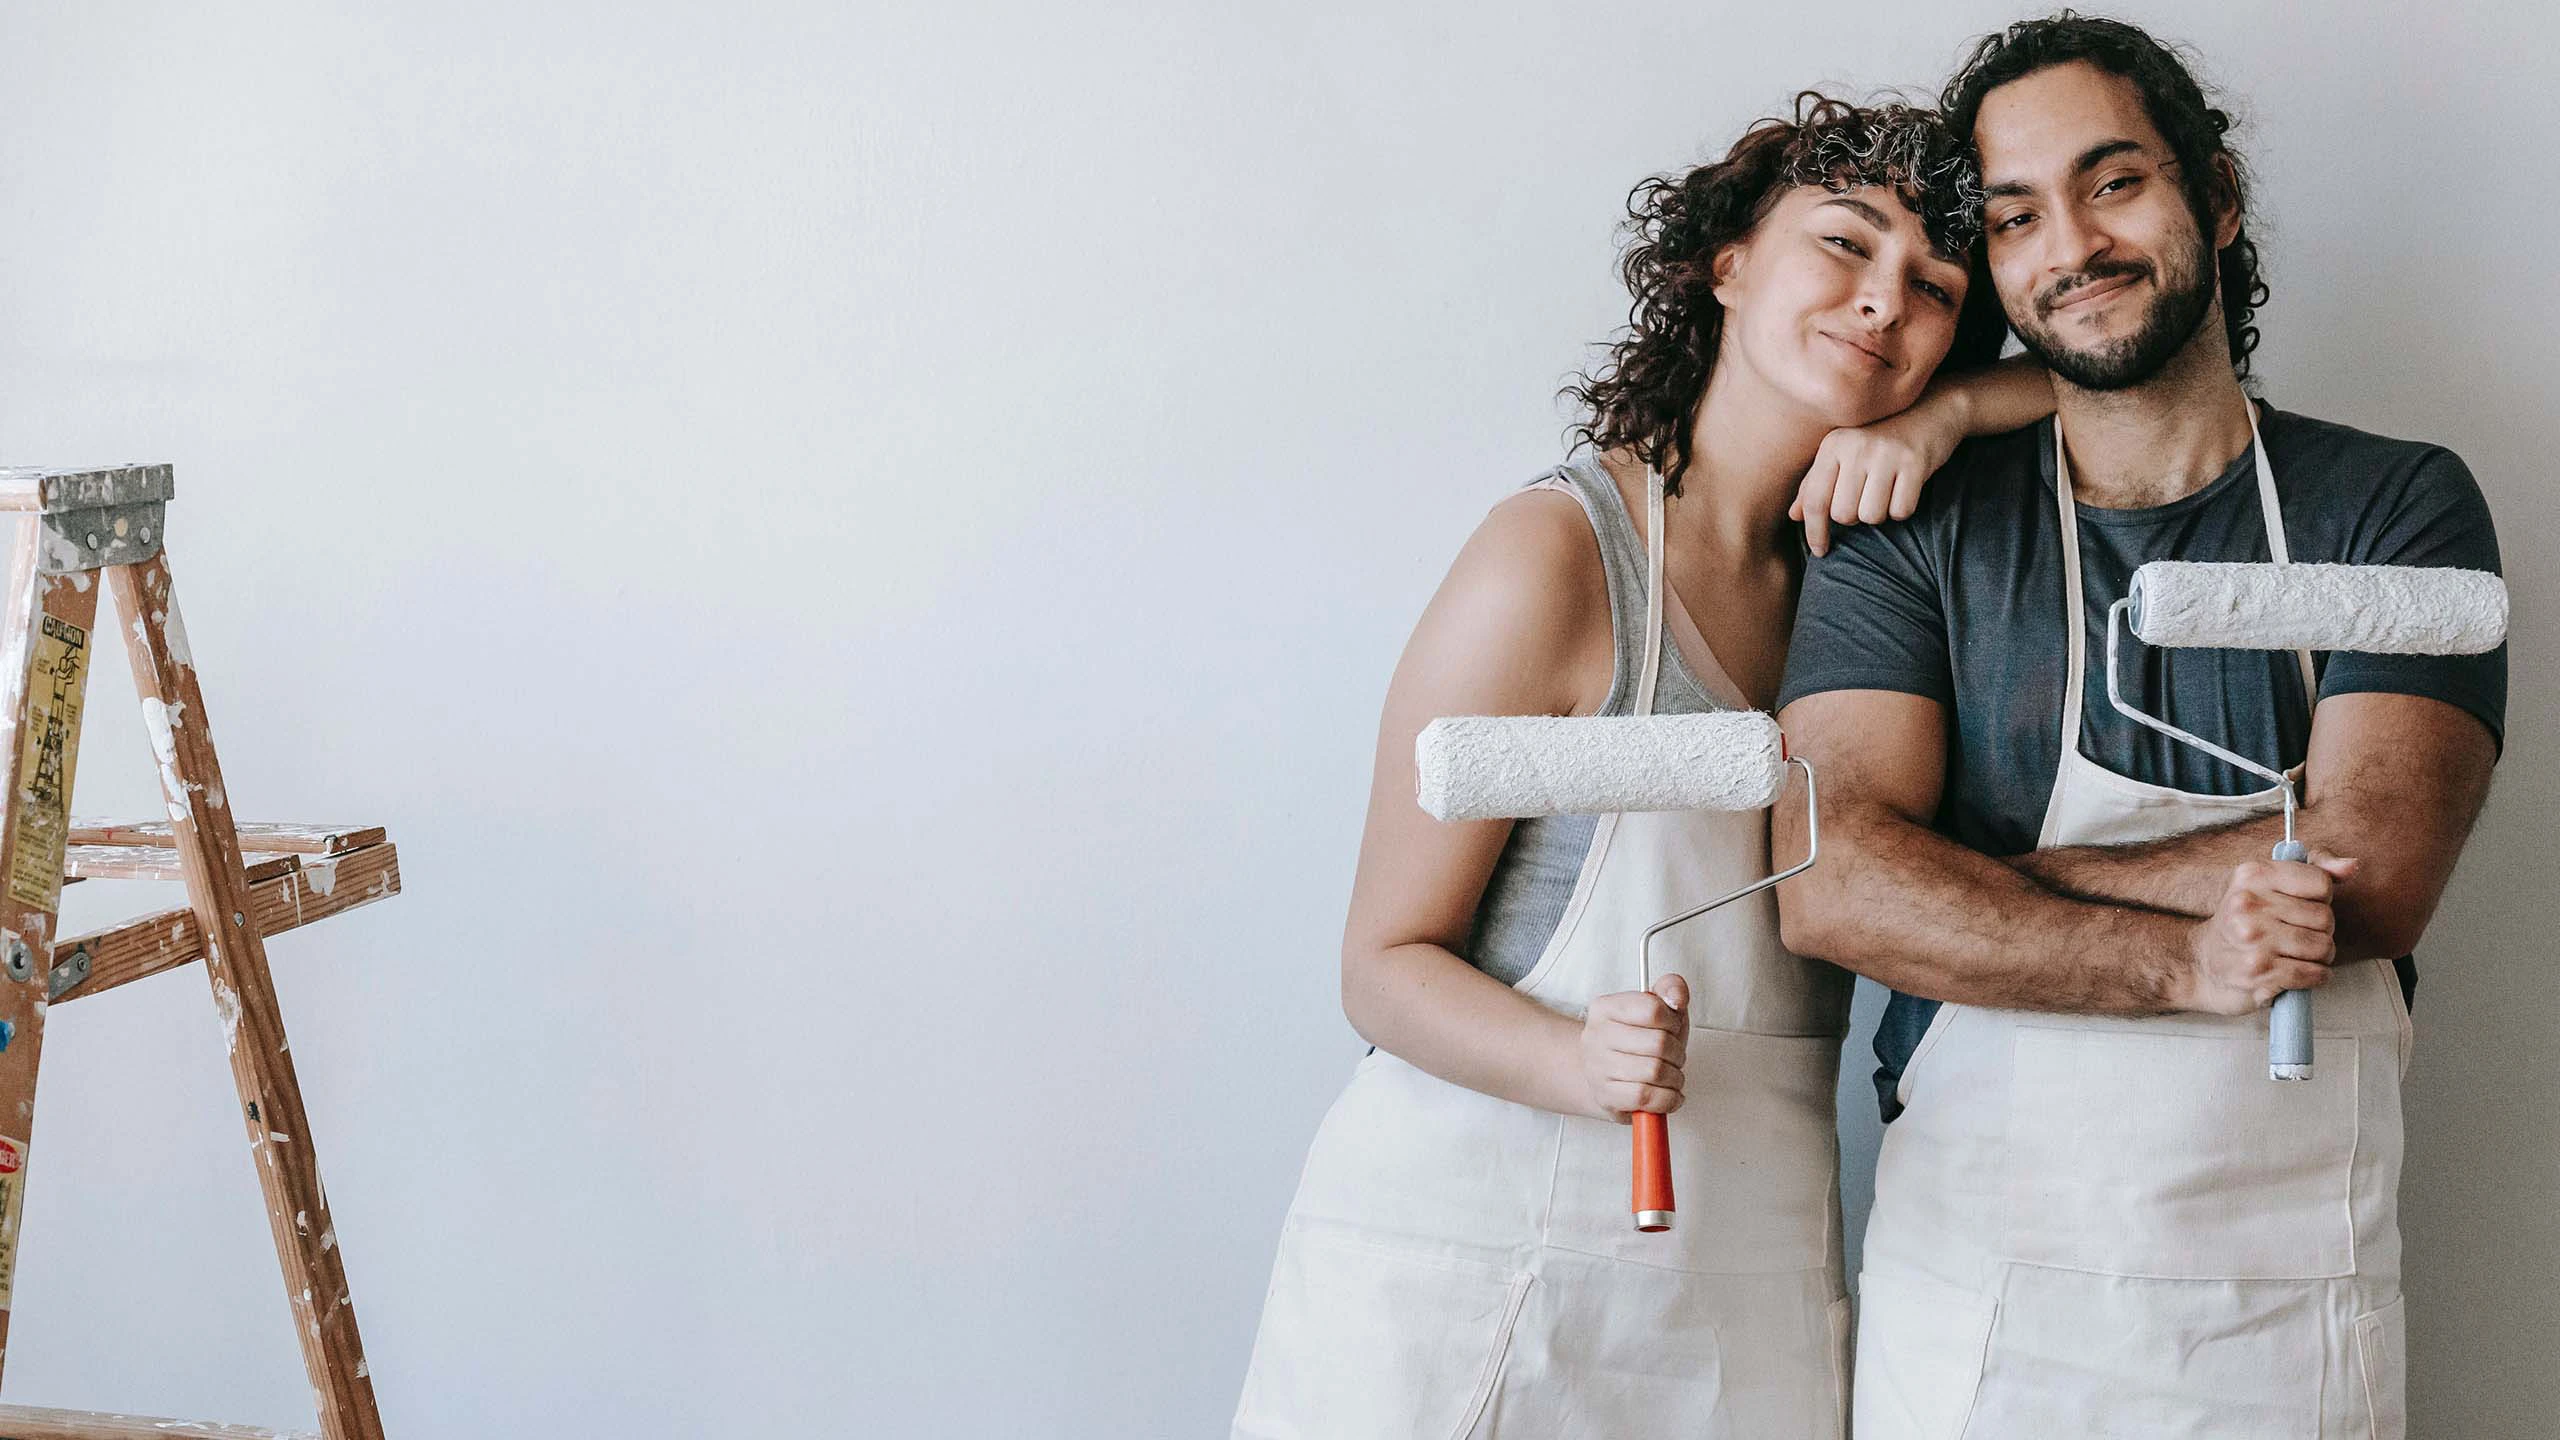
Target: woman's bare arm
[1875,472]
[1520,627]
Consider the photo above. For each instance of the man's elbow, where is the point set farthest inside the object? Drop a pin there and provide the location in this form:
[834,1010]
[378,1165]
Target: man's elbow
[2388,926]
[1805,916]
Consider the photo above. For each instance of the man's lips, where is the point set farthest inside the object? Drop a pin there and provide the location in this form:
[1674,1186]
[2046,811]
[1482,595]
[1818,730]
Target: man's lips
[2092,290]
[1873,354]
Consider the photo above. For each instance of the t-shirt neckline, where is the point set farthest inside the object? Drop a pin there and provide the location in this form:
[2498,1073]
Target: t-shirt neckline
[2244,466]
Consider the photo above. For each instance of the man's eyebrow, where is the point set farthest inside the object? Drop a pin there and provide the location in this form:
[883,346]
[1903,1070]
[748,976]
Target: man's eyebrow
[2102,151]
[1865,211]
[2090,159]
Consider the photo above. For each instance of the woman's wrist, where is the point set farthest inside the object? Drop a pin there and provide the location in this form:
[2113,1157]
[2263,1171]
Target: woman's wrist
[1952,407]
[1561,1085]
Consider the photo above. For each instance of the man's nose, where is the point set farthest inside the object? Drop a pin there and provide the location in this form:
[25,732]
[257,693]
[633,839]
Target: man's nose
[2075,241]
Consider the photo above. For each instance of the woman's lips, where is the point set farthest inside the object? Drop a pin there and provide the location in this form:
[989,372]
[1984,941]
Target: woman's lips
[1872,357]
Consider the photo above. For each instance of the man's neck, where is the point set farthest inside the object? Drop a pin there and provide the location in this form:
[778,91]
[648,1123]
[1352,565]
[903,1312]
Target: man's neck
[2159,441]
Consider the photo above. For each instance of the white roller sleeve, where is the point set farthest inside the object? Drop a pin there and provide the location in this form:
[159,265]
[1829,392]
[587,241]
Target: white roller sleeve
[1484,767]
[2370,609]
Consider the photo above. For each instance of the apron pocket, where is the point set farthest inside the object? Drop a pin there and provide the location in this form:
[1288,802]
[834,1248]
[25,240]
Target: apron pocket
[1755,1155]
[1920,1349]
[2382,1355]
[2172,1155]
[1365,1338]
[2079,1354]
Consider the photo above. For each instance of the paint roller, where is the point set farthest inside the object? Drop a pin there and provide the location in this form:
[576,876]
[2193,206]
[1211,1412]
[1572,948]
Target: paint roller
[1518,767]
[2371,609]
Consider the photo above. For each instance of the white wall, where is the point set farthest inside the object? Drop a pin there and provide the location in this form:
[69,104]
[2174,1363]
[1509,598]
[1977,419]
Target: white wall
[857,552]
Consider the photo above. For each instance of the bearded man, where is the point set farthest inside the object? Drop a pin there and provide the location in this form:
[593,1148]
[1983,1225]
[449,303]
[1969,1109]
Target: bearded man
[2095,1213]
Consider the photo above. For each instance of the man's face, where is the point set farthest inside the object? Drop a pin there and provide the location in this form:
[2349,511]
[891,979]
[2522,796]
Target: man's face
[2098,258]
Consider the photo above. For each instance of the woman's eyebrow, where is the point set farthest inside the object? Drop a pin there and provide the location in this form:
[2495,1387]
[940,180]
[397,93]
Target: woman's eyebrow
[1868,212]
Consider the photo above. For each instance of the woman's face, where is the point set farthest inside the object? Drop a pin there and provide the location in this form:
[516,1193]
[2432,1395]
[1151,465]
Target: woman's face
[1838,303]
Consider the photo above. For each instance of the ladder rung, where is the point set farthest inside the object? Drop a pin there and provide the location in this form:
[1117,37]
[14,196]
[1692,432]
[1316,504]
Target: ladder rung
[259,835]
[26,1422]
[154,943]
[160,862]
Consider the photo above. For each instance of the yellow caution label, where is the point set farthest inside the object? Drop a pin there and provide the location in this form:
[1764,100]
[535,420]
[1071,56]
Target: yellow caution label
[48,746]
[13,1200]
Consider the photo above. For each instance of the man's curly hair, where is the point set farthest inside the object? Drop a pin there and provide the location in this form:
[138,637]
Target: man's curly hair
[2176,104]
[1644,396]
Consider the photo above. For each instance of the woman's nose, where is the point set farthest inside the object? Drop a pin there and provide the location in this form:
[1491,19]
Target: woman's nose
[1880,304]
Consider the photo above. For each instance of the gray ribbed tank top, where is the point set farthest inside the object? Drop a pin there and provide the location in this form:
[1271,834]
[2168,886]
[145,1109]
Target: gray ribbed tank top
[1532,883]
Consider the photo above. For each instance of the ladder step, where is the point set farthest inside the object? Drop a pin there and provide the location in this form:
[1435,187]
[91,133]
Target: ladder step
[261,835]
[160,862]
[321,888]
[26,1422]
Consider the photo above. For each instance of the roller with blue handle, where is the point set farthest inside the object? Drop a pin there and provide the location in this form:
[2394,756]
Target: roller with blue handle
[2372,609]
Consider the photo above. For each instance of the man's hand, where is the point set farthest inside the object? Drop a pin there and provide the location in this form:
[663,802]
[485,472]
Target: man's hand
[2275,930]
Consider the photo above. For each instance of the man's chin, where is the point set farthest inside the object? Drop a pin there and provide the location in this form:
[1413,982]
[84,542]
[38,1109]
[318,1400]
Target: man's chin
[2113,365]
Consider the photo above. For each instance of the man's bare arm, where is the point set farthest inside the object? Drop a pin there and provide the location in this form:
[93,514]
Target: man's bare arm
[1894,900]
[2393,781]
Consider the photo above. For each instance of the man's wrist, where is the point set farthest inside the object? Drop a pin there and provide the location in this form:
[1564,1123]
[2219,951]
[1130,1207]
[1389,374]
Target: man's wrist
[2178,978]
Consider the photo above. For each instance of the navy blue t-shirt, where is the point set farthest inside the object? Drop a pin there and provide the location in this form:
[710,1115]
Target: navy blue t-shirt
[1963,604]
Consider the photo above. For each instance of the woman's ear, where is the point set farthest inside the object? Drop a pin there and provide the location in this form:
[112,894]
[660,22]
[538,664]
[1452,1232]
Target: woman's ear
[1724,268]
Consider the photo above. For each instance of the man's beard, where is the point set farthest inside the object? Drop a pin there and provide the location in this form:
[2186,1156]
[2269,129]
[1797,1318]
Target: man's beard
[2178,309]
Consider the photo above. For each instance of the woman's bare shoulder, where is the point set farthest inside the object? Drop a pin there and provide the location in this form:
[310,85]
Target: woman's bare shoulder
[1521,624]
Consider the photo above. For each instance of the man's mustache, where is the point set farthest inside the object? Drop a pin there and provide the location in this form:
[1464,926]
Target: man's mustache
[2064,288]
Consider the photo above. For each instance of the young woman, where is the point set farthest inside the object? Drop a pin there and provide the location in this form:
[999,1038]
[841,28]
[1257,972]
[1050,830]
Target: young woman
[1460,1258]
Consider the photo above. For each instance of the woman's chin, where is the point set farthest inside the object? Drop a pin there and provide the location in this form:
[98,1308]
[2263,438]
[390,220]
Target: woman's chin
[1846,407]
[1848,402]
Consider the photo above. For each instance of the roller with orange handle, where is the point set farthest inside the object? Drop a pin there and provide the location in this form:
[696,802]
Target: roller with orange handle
[1518,767]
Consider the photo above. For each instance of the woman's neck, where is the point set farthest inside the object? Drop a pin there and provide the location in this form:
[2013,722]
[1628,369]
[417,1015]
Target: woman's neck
[1748,451]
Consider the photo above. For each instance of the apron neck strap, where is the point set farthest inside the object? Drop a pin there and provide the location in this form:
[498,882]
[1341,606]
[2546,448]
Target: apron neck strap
[2271,512]
[1652,673]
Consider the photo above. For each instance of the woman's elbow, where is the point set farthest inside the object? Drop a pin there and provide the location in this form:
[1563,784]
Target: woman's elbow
[1359,988]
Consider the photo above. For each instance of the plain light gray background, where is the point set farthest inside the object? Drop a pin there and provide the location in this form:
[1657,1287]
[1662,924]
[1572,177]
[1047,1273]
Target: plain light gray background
[858,551]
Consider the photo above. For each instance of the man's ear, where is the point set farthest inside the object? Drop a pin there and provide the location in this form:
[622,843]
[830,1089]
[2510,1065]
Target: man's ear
[2226,202]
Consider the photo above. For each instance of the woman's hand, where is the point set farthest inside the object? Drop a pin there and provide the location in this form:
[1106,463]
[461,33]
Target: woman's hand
[1634,1044]
[1875,471]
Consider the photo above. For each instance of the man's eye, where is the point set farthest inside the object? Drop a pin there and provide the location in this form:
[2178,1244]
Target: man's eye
[1845,243]
[2012,222]
[2119,183]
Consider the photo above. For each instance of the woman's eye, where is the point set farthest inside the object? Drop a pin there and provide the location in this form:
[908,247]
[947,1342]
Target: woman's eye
[1937,292]
[1845,243]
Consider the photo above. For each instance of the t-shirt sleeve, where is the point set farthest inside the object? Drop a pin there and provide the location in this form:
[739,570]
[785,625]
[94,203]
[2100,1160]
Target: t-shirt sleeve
[2433,515]
[1871,617]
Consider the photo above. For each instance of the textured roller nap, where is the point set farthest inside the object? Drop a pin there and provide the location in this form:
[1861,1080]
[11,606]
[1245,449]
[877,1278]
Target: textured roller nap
[2370,609]
[1481,767]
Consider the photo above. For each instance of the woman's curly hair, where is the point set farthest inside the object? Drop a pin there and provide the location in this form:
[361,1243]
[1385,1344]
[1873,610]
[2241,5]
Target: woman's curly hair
[1643,397]
[2192,125]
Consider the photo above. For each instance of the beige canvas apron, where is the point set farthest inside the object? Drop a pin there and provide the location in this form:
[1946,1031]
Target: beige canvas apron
[1459,1265]
[2088,1226]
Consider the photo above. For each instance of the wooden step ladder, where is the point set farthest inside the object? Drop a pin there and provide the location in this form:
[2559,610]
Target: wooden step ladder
[78,532]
